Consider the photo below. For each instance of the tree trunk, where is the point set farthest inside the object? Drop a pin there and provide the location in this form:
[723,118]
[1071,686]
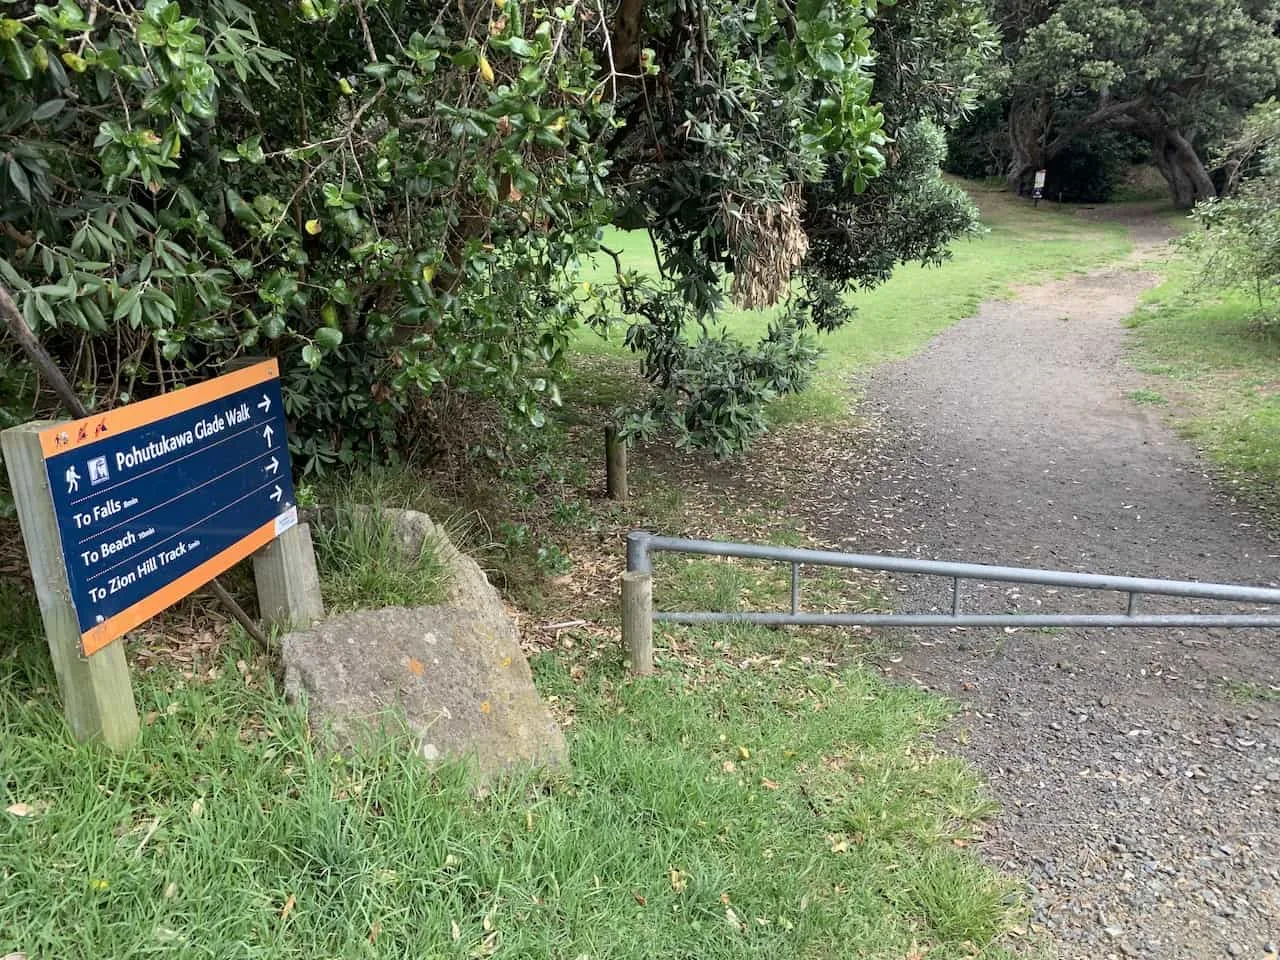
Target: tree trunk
[1023,165]
[1027,122]
[625,40]
[1188,180]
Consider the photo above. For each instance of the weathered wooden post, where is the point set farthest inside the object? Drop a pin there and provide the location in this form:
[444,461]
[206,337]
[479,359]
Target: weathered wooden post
[288,584]
[637,605]
[615,464]
[637,620]
[97,696]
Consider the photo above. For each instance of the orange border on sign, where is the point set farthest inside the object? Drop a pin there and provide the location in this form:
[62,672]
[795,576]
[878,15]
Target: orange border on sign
[136,415]
[123,419]
[146,608]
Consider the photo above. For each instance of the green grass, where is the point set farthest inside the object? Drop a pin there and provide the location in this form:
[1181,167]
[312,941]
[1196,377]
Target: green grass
[1244,692]
[1021,244]
[1152,398]
[712,812]
[1145,185]
[362,563]
[1226,374]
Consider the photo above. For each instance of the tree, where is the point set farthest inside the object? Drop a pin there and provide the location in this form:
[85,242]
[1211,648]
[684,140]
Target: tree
[937,59]
[370,203]
[392,196]
[1240,243]
[821,235]
[1179,74]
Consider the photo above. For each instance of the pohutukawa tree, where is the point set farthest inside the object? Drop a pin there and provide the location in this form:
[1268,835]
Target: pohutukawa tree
[392,197]
[1178,74]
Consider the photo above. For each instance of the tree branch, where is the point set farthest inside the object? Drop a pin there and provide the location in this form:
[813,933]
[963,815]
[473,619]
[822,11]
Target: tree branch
[627,27]
[364,28]
[1107,113]
[22,333]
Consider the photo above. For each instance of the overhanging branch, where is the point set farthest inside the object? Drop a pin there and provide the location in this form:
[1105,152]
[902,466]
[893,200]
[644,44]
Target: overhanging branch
[1105,114]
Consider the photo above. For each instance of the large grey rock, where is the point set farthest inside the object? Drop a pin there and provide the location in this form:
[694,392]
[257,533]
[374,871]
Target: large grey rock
[452,675]
[462,690]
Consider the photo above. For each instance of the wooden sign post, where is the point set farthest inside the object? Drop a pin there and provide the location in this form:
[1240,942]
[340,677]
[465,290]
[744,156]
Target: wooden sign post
[97,697]
[127,512]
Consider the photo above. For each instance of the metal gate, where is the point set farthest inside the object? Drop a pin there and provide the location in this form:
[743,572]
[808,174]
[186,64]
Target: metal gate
[639,616]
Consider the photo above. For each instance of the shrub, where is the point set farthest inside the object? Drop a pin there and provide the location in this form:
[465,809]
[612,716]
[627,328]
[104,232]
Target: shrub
[367,202]
[1240,243]
[390,196]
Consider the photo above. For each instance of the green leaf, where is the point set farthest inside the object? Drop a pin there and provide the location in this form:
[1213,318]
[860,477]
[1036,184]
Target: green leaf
[311,355]
[48,110]
[329,337]
[520,47]
[18,177]
[828,60]
[125,305]
[11,276]
[15,56]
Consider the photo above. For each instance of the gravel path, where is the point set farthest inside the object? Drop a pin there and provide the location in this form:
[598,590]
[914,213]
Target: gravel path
[1139,771]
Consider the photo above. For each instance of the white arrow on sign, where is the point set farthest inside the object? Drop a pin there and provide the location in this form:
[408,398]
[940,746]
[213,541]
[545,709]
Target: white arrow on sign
[273,466]
[265,405]
[267,433]
[277,493]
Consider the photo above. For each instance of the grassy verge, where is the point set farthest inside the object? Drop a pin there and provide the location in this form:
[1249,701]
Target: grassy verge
[722,809]
[361,563]
[1222,377]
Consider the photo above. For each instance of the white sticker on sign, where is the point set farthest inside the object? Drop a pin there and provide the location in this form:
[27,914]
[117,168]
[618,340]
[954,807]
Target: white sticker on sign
[286,520]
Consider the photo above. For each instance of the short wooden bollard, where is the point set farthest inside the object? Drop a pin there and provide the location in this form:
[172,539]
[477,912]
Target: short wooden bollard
[97,696]
[615,464]
[637,620]
[288,584]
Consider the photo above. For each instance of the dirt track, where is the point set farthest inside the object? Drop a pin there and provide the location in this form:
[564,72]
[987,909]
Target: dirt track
[1139,795]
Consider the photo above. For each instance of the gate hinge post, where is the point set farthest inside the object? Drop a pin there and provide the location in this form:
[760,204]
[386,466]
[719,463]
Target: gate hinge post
[638,551]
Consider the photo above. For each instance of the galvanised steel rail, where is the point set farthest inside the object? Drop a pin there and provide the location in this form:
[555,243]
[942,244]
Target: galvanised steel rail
[638,591]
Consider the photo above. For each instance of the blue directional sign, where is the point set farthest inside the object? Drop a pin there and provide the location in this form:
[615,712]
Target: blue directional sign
[155,499]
